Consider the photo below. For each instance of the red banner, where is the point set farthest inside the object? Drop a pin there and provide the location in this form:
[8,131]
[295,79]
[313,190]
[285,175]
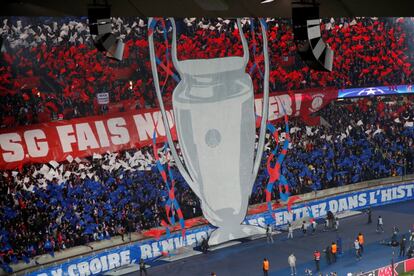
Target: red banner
[82,137]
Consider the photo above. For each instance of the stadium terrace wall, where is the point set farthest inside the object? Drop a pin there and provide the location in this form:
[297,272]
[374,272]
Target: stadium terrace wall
[151,249]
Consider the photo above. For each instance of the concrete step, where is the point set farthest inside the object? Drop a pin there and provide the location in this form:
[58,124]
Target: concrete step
[224,245]
[123,270]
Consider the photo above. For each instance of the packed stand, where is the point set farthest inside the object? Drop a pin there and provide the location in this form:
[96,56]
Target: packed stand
[364,139]
[49,207]
[51,70]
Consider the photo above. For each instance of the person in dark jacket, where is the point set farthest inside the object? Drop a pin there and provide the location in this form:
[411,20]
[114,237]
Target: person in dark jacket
[142,268]
[369,212]
[402,246]
[328,254]
[204,246]
[317,258]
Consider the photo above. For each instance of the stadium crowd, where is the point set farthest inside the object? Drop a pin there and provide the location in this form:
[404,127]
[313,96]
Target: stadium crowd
[53,206]
[362,139]
[50,69]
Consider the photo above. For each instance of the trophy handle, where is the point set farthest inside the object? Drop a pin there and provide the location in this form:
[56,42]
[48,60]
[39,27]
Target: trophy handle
[174,45]
[265,108]
[174,153]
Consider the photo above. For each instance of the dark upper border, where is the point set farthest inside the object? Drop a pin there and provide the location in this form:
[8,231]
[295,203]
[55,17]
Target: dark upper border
[207,8]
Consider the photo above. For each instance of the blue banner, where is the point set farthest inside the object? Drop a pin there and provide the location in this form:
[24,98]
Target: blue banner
[375,91]
[150,250]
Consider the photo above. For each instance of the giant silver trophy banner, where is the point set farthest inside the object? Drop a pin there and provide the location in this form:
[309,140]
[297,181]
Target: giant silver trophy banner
[215,120]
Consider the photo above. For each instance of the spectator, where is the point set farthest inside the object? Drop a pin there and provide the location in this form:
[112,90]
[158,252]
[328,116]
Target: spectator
[369,212]
[328,254]
[266,267]
[334,250]
[361,241]
[269,234]
[380,224]
[142,268]
[357,247]
[402,246]
[317,258]
[292,264]
[290,231]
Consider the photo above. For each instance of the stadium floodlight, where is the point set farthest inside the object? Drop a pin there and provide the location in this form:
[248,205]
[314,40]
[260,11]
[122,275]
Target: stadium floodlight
[117,50]
[100,27]
[105,42]
[99,17]
[307,32]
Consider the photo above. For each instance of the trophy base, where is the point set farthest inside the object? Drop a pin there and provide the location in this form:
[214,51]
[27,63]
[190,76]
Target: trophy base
[221,235]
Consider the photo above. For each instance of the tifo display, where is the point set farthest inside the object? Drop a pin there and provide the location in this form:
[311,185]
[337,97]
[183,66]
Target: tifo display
[199,120]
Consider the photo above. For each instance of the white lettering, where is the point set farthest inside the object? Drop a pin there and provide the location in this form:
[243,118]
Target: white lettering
[13,151]
[178,242]
[167,245]
[400,192]
[288,216]
[353,202]
[146,252]
[104,263]
[261,221]
[386,195]
[113,260]
[284,105]
[72,270]
[34,147]
[95,266]
[102,134]
[315,210]
[145,126]
[66,136]
[258,103]
[125,260]
[191,239]
[117,128]
[362,198]
[155,250]
[410,189]
[279,218]
[274,108]
[372,198]
[57,272]
[83,269]
[333,206]
[394,192]
[252,221]
[298,101]
[306,212]
[343,205]
[86,138]
[322,207]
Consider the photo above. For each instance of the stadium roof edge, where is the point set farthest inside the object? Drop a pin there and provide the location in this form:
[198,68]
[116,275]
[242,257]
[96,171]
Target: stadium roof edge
[208,8]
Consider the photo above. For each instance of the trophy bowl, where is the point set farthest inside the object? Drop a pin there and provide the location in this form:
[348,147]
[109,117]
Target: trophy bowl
[215,119]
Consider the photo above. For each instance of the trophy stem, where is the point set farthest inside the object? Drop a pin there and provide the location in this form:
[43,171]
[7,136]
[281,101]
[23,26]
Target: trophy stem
[265,113]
